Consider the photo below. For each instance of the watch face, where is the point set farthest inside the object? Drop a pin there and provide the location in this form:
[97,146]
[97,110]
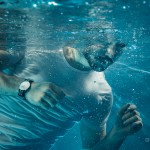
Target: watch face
[24,85]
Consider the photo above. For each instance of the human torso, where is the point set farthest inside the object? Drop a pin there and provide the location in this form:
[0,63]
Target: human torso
[23,124]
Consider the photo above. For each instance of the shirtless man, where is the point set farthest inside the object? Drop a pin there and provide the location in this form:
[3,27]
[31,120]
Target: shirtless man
[44,112]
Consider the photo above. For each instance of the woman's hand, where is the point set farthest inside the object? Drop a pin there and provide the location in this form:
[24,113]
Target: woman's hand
[45,95]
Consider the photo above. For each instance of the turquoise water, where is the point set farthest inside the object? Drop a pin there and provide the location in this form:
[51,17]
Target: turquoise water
[50,25]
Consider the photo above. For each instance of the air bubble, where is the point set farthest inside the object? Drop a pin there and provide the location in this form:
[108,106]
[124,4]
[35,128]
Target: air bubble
[34,5]
[124,7]
[53,3]
[86,3]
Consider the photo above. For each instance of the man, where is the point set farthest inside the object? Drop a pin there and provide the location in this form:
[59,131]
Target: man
[44,112]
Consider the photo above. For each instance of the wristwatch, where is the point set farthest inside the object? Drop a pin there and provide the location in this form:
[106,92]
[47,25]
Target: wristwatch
[24,87]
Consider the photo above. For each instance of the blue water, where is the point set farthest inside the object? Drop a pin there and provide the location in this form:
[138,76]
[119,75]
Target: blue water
[49,25]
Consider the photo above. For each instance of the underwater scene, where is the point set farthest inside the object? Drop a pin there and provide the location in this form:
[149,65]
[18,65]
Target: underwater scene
[88,48]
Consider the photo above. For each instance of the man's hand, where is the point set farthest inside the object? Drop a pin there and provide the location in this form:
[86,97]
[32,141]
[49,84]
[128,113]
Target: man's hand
[45,95]
[128,121]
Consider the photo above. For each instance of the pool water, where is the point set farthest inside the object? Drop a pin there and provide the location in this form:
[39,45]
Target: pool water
[39,26]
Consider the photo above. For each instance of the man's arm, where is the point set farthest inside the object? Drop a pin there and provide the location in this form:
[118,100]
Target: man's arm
[42,94]
[128,122]
[9,85]
[93,126]
[98,140]
[9,59]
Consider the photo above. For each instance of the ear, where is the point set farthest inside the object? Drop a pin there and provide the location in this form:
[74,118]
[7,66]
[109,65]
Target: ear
[69,54]
[76,59]
[115,50]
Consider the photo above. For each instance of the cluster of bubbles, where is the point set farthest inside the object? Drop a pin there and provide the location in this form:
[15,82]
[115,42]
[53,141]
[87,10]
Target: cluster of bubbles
[48,3]
[27,3]
[38,3]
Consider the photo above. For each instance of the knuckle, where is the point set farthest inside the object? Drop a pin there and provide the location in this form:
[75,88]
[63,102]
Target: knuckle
[42,95]
[140,119]
[136,112]
[141,124]
[136,117]
[133,106]
[46,86]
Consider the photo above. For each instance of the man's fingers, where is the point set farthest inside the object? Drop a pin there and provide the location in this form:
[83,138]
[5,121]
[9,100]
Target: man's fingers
[52,96]
[55,96]
[130,114]
[123,109]
[126,108]
[49,100]
[128,120]
[130,108]
[59,94]
[136,126]
[132,120]
[44,104]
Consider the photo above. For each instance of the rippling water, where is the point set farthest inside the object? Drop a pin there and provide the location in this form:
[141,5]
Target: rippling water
[37,27]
